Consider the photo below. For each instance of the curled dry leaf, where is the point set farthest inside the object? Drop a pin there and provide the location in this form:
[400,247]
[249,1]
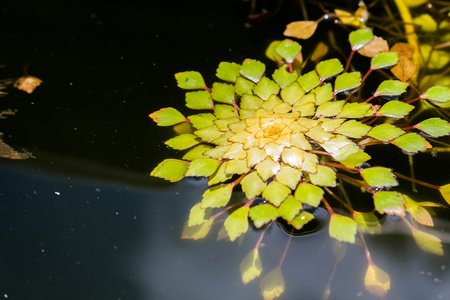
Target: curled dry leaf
[404,69]
[27,83]
[375,46]
[403,49]
[301,29]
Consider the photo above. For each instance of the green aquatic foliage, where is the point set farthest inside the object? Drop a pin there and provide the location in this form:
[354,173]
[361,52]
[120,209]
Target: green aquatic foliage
[289,139]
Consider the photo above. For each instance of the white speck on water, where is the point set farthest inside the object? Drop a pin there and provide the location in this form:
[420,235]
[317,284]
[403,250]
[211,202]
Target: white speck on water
[98,190]
[42,250]
[443,267]
[57,193]
[117,213]
[70,83]
[5,296]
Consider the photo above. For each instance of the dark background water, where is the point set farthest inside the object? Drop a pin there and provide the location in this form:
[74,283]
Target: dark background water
[83,220]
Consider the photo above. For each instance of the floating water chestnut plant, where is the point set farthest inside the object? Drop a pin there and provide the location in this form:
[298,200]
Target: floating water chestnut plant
[289,139]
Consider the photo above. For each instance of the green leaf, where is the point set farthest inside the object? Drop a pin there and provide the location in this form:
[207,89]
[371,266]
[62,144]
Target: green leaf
[309,80]
[237,222]
[384,60]
[243,86]
[340,147]
[196,152]
[411,143]
[198,215]
[252,69]
[252,185]
[290,208]
[276,192]
[170,169]
[391,203]
[223,92]
[251,266]
[167,116]
[309,194]
[435,127]
[445,192]
[288,176]
[342,228]
[190,80]
[329,68]
[354,110]
[395,109]
[323,93]
[288,50]
[347,81]
[325,176]
[302,218]
[237,166]
[251,102]
[202,120]
[359,38]
[292,93]
[197,232]
[219,176]
[377,281]
[217,196]
[224,111]
[391,88]
[272,285]
[367,222]
[283,77]
[428,242]
[437,93]
[266,87]
[228,71]
[263,214]
[267,168]
[353,129]
[379,177]
[385,132]
[183,141]
[355,159]
[418,212]
[272,54]
[330,108]
[203,167]
[199,100]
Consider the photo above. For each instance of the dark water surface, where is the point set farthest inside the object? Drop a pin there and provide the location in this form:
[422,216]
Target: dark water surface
[83,220]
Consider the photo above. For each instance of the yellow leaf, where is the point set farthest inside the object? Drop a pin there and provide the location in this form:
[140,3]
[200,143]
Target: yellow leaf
[301,29]
[445,191]
[272,285]
[377,281]
[251,266]
[428,242]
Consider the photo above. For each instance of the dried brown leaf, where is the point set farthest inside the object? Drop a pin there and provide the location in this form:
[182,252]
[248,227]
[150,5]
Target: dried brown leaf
[375,46]
[403,49]
[404,69]
[301,29]
[27,83]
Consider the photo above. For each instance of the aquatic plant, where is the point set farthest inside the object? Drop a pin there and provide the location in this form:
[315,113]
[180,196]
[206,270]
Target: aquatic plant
[294,141]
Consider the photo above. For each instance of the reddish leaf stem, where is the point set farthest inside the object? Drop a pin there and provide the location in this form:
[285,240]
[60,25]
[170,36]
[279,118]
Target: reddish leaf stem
[330,210]
[413,100]
[339,200]
[207,88]
[367,74]
[366,249]
[284,252]
[262,235]
[370,98]
[342,167]
[431,186]
[349,60]
[351,180]
[236,106]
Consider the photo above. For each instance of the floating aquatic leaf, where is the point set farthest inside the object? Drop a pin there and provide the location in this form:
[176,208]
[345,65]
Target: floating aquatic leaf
[243,86]
[301,219]
[437,93]
[223,92]
[217,196]
[289,208]
[391,203]
[251,266]
[190,80]
[202,120]
[309,194]
[412,143]
[170,169]
[199,100]
[288,49]
[197,232]
[183,141]
[276,192]
[395,109]
[325,176]
[272,284]
[435,127]
[379,177]
[384,60]
[404,69]
[428,242]
[263,214]
[356,159]
[359,38]
[252,185]
[237,222]
[167,116]
[283,77]
[323,93]
[391,88]
[377,281]
[329,68]
[27,83]
[445,192]
[385,132]
[252,69]
[267,168]
[224,111]
[292,93]
[266,88]
[289,176]
[347,81]
[330,108]
[203,167]
[228,71]
[353,129]
[198,215]
[354,110]
[309,80]
[342,228]
[196,152]
[301,29]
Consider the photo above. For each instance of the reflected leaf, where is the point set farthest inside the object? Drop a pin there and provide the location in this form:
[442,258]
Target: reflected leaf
[377,281]
[420,214]
[198,215]
[251,266]
[237,222]
[288,49]
[272,285]
[428,242]
[197,232]
[367,222]
[301,29]
[217,196]
[435,127]
[437,93]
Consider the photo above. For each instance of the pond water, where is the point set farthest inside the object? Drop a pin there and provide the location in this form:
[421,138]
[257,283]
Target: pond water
[83,220]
